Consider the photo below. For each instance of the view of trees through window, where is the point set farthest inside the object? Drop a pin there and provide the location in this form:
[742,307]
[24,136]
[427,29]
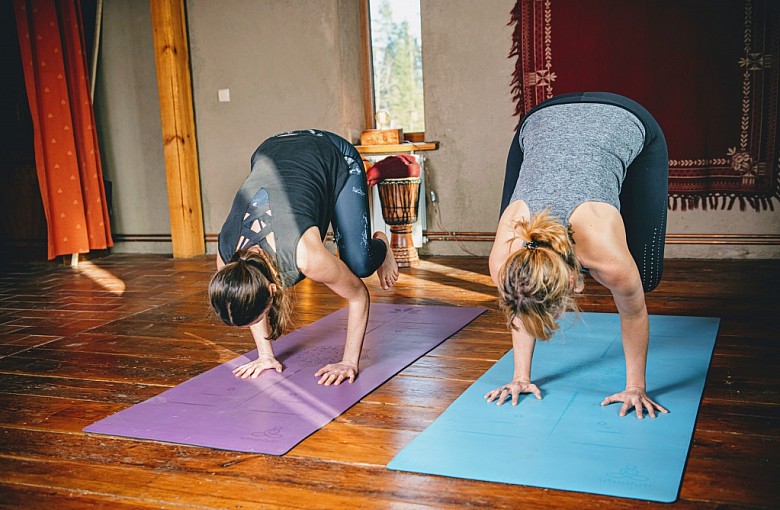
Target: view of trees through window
[396,44]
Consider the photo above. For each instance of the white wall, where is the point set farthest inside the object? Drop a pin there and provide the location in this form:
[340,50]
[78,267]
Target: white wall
[288,65]
[720,222]
[127,111]
[468,109]
[292,64]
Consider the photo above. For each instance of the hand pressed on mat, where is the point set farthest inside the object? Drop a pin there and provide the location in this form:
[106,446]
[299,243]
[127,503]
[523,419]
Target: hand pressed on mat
[256,367]
[513,389]
[636,397]
[336,373]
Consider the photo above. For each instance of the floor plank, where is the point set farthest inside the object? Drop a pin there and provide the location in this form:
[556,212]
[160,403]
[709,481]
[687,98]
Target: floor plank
[77,346]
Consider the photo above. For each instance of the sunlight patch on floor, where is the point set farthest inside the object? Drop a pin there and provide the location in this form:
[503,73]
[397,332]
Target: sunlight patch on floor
[454,290]
[102,277]
[456,273]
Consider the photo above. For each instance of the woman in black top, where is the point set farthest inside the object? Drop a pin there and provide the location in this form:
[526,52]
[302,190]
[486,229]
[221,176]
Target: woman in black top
[301,181]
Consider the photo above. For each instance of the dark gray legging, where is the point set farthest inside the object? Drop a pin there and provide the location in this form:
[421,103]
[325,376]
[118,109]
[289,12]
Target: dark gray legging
[643,198]
[351,221]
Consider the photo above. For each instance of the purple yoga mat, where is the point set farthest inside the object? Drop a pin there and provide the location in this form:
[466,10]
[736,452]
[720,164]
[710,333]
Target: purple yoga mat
[274,412]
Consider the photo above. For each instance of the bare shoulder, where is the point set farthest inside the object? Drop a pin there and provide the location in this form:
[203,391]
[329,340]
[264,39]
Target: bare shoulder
[505,242]
[516,211]
[598,233]
[600,242]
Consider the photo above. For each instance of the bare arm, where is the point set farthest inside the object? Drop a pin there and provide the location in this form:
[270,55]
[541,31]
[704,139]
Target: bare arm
[635,332]
[505,243]
[522,343]
[523,346]
[320,265]
[261,330]
[265,352]
[601,246]
[634,323]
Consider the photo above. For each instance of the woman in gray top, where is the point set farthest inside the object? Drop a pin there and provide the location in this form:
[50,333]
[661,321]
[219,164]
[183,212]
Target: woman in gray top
[585,187]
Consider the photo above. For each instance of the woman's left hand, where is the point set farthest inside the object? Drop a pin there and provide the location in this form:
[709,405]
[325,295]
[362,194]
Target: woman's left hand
[335,373]
[636,397]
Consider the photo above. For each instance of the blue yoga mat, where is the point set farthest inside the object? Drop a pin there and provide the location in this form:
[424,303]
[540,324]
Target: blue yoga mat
[567,440]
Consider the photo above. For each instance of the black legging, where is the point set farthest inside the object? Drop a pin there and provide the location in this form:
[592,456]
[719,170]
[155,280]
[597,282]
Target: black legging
[643,198]
[351,221]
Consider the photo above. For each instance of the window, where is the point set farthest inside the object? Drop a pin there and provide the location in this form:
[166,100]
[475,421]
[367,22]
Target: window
[395,75]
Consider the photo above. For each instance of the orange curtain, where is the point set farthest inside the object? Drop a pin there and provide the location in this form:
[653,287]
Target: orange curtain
[51,39]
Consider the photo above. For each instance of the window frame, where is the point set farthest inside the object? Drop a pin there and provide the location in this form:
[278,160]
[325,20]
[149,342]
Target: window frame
[367,72]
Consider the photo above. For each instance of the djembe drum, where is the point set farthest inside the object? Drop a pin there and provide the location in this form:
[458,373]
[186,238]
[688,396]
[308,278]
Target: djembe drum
[400,204]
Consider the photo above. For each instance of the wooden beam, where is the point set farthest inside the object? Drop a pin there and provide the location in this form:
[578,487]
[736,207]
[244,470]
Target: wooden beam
[171,53]
[367,70]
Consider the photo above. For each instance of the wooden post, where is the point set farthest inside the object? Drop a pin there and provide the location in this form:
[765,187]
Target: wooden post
[365,64]
[171,53]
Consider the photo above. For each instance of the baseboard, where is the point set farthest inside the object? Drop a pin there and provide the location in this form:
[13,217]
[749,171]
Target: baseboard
[434,235]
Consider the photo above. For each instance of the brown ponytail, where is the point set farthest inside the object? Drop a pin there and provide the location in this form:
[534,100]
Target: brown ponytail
[537,281]
[240,292]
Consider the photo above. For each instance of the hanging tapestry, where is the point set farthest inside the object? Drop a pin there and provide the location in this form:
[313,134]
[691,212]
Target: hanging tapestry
[706,69]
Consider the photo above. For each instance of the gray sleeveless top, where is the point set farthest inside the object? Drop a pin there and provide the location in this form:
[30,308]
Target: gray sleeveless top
[575,153]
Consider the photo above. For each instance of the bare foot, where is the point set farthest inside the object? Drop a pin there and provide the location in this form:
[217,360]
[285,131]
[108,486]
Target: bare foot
[388,271]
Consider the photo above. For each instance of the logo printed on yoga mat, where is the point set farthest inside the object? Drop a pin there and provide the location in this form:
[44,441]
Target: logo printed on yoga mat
[407,310]
[268,436]
[627,475]
[319,356]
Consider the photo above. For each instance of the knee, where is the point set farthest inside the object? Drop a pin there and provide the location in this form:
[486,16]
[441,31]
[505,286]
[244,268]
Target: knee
[649,286]
[362,270]
[366,263]
[361,267]
[650,282]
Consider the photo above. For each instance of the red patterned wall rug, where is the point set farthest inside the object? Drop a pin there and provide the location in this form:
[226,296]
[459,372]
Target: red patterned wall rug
[706,69]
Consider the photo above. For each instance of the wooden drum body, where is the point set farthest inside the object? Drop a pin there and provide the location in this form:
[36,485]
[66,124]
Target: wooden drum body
[400,199]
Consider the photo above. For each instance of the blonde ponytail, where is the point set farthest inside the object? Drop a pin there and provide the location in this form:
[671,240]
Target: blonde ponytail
[537,281]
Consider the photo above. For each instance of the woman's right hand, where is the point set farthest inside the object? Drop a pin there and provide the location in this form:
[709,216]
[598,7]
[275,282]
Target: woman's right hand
[254,368]
[514,388]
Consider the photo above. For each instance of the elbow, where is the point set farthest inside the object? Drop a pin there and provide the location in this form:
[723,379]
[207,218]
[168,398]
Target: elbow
[360,294]
[495,270]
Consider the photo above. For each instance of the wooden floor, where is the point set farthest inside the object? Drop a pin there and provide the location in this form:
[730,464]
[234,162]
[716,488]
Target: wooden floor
[79,345]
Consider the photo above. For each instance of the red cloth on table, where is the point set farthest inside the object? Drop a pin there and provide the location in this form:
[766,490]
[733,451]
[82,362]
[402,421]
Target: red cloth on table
[393,167]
